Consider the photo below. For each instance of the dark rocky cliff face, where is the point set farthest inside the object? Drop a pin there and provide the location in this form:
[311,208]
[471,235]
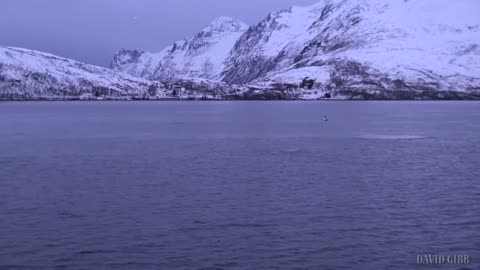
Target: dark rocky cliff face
[245,62]
[124,57]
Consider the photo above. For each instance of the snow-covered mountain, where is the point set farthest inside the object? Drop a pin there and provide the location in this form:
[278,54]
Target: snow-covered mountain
[380,49]
[365,49]
[346,48]
[202,56]
[257,49]
[27,74]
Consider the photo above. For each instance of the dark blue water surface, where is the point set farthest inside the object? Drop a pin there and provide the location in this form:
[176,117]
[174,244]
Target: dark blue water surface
[238,185]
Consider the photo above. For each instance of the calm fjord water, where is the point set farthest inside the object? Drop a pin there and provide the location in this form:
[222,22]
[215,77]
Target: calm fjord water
[238,185]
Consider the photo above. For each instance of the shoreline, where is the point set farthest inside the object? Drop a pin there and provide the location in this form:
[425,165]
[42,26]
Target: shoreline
[238,100]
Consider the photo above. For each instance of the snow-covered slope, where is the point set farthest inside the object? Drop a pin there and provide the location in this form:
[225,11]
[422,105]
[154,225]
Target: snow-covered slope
[256,50]
[27,74]
[202,56]
[358,47]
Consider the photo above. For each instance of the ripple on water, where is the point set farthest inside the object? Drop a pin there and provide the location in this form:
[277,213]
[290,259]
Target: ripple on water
[391,137]
[292,151]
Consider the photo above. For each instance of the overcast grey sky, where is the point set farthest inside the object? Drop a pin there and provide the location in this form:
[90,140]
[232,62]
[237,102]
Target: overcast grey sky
[93,30]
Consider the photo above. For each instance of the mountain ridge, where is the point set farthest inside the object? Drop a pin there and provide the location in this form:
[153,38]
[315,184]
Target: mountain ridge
[342,49]
[190,57]
[359,48]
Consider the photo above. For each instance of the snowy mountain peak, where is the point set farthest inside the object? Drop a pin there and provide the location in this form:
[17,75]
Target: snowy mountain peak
[201,56]
[125,56]
[256,50]
[314,7]
[226,24]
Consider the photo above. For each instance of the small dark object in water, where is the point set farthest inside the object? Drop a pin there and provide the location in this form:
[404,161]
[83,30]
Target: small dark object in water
[325,118]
